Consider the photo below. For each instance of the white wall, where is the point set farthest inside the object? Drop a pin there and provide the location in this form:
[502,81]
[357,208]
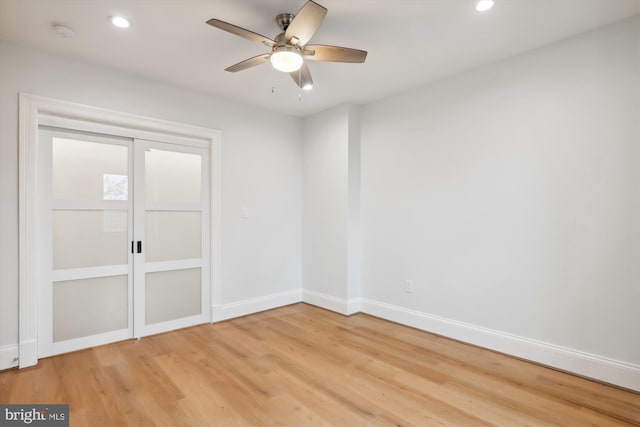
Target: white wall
[510,195]
[325,202]
[354,229]
[331,209]
[261,161]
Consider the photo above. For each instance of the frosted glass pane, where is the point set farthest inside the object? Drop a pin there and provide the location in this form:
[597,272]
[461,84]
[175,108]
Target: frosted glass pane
[173,235]
[89,238]
[172,177]
[89,306]
[172,295]
[84,170]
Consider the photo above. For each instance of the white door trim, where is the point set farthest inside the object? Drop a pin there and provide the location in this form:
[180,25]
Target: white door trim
[36,111]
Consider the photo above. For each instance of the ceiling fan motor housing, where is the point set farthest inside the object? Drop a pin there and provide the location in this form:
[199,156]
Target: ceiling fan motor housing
[281,42]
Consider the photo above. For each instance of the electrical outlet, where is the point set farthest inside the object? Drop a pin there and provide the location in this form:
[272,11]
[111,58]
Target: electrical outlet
[408,286]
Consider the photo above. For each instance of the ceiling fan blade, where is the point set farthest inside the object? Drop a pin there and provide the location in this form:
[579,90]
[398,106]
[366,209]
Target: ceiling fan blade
[248,63]
[302,77]
[305,24]
[321,52]
[242,32]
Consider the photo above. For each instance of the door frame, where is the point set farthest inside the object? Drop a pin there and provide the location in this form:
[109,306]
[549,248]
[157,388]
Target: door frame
[35,111]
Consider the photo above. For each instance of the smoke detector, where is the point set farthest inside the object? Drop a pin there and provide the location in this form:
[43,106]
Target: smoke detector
[63,31]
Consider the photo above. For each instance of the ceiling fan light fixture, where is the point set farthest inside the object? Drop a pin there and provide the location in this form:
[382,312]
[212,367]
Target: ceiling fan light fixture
[484,5]
[286,59]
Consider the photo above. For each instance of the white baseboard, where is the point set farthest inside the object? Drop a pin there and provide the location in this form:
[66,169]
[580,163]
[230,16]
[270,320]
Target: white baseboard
[255,305]
[8,356]
[589,365]
[339,305]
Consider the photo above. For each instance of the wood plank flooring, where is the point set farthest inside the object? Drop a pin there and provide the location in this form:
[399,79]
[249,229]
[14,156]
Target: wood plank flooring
[304,366]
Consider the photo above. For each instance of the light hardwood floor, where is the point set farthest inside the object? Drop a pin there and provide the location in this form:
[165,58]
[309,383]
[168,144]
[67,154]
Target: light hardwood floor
[304,366]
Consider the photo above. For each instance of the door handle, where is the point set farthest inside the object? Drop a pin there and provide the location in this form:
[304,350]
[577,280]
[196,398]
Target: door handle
[139,246]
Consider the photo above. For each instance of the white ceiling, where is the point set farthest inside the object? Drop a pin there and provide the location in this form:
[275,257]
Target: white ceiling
[410,42]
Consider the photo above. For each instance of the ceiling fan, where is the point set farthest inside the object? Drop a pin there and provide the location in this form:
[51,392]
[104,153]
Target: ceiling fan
[289,49]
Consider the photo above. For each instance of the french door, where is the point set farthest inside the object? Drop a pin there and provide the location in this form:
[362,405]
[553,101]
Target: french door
[124,229]
[171,237]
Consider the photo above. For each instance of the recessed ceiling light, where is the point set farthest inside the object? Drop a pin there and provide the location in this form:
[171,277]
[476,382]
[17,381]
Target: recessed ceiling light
[120,22]
[484,5]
